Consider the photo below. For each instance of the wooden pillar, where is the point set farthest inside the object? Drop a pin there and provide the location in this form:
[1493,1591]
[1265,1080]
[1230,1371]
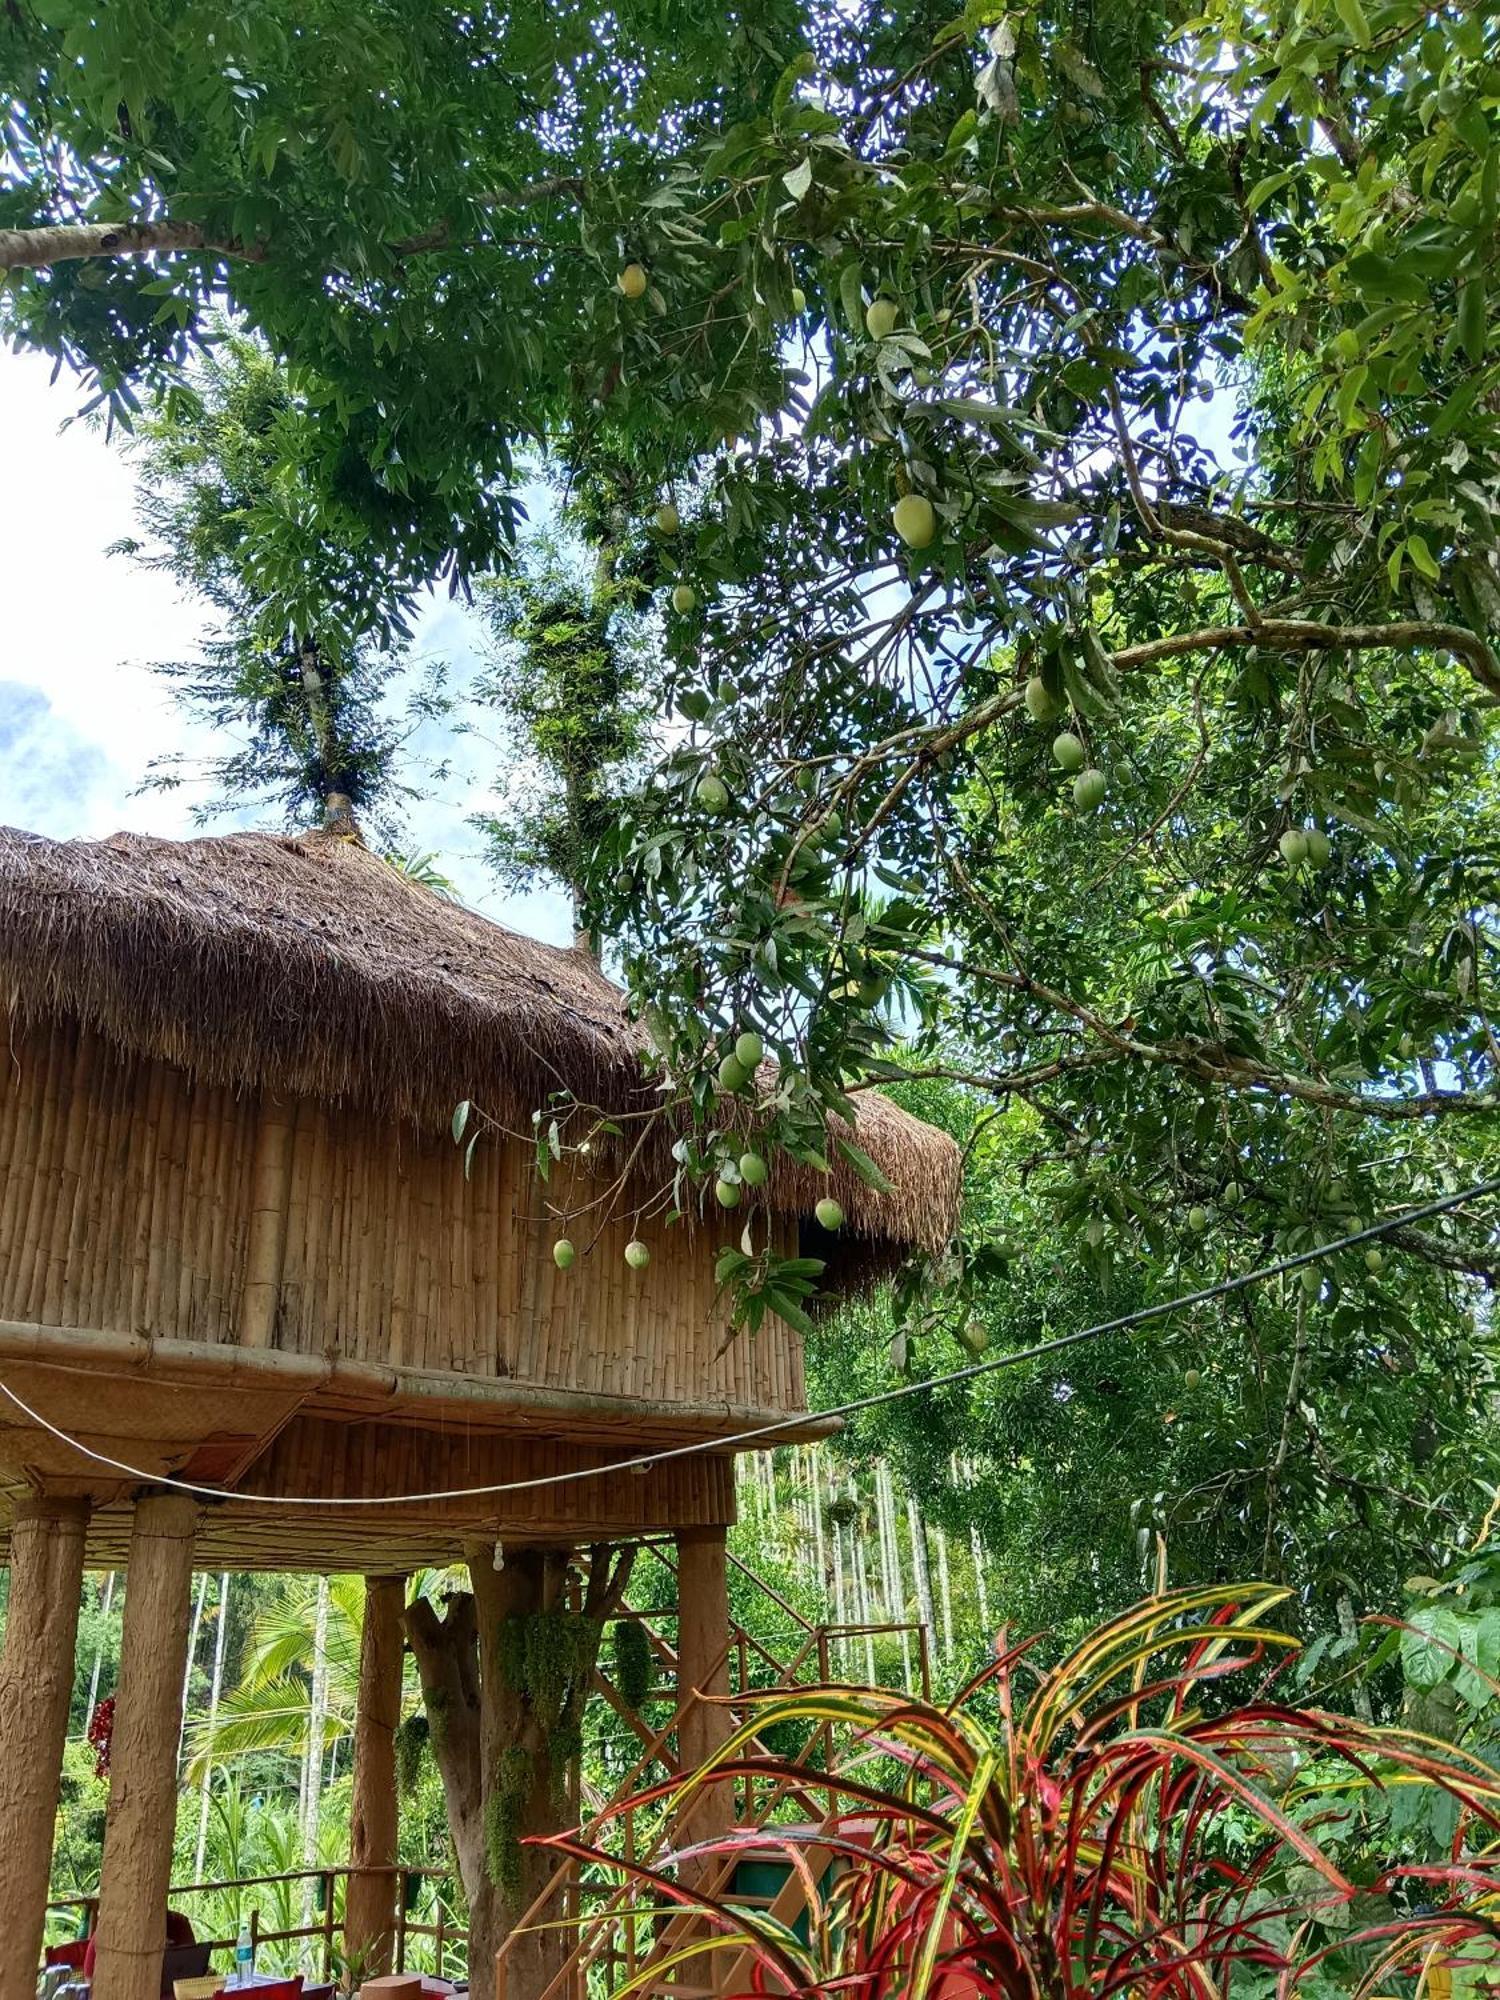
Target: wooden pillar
[369,1916]
[36,1689]
[703,1663]
[140,1822]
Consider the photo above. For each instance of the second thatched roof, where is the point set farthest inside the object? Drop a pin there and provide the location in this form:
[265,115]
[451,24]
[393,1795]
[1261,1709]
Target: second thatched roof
[309,966]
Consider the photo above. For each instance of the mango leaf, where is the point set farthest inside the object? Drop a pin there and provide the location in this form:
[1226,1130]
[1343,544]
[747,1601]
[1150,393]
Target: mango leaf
[799,180]
[1430,1645]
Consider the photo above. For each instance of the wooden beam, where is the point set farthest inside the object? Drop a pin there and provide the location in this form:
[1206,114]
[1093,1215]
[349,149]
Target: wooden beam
[703,1665]
[141,1817]
[355,1390]
[36,1689]
[369,1917]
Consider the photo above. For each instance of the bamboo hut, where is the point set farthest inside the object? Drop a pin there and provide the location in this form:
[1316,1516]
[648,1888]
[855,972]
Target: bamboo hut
[240,1249]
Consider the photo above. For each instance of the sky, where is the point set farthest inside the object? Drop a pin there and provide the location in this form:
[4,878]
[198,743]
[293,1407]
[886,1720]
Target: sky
[82,714]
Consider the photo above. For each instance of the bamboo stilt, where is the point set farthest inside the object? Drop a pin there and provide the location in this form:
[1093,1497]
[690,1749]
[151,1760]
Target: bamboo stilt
[370,1908]
[140,1821]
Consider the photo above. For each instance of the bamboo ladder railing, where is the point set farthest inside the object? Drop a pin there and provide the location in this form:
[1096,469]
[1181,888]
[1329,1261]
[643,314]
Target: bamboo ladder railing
[609,1937]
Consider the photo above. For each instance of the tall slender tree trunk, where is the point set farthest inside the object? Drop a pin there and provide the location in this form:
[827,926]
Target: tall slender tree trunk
[215,1690]
[945,1593]
[921,1569]
[862,1589]
[981,1587]
[317,1710]
[192,1654]
[840,1601]
[106,1600]
[895,1584]
[819,1544]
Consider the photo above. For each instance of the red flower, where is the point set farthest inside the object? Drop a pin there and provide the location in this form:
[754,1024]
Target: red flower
[101,1729]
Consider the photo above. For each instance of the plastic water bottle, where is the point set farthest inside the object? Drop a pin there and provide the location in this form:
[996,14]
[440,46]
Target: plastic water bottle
[244,1957]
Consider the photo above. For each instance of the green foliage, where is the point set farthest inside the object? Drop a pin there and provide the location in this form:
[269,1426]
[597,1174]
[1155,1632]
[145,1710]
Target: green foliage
[313,612]
[1449,1650]
[565,679]
[411,1747]
[1151,367]
[548,1656]
[1058,1821]
[392,197]
[634,1660]
[265,1711]
[505,1818]
[1336,1445]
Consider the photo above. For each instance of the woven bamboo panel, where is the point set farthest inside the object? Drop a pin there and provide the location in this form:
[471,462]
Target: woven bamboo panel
[134,1199]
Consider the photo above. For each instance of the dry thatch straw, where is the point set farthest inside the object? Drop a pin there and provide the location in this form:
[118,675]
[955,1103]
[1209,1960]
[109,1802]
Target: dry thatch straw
[310,967]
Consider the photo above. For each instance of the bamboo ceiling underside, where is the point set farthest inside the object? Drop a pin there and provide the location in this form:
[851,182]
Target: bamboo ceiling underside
[312,1456]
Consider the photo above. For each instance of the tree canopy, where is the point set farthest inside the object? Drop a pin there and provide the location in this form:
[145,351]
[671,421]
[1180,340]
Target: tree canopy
[1065,446]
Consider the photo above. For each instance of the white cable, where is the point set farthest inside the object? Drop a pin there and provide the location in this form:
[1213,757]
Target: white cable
[720,1444]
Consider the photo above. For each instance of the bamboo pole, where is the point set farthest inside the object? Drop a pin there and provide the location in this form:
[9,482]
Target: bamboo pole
[265,1246]
[896,1585]
[36,1688]
[369,1914]
[140,1821]
[366,1383]
[862,1591]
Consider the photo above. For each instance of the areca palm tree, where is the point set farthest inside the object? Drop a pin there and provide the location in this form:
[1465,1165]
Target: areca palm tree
[271,1708]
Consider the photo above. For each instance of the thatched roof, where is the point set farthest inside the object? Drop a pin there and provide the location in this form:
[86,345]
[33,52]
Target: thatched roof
[310,966]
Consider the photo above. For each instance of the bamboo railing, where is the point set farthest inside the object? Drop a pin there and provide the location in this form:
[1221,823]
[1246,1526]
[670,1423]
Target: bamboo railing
[616,1937]
[609,1941]
[446,1935]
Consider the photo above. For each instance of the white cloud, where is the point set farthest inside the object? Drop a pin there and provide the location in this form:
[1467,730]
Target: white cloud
[82,715]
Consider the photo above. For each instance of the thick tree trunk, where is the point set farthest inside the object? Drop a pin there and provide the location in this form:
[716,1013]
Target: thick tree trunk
[447,1655]
[36,1689]
[370,1907]
[497,1748]
[140,1822]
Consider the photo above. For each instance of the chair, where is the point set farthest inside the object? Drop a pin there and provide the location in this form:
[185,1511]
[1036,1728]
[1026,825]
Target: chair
[179,1933]
[74,1955]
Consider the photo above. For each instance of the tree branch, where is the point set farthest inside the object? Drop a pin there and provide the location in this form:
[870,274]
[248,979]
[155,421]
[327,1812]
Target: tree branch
[1303,635]
[67,243]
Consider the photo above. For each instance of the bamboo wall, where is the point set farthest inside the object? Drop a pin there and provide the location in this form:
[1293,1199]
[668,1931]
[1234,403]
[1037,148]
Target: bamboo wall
[133,1199]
